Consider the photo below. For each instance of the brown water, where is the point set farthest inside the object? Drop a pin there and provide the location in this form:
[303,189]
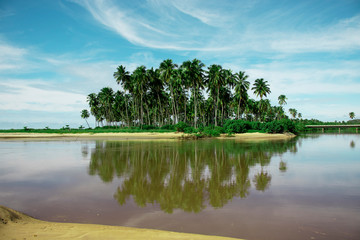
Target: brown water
[305,188]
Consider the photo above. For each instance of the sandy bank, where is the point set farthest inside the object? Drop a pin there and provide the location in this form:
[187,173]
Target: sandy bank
[259,136]
[15,225]
[132,136]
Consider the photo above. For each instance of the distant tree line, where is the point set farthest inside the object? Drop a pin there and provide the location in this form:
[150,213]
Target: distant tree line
[177,93]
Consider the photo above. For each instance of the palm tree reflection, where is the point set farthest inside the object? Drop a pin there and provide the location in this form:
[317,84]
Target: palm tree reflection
[187,175]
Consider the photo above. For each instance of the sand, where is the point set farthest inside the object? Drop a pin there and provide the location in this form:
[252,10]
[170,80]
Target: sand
[15,225]
[133,136]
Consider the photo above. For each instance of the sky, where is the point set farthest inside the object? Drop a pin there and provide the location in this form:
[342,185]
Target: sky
[54,53]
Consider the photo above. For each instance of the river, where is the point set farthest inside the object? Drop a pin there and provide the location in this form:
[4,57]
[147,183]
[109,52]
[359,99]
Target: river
[303,188]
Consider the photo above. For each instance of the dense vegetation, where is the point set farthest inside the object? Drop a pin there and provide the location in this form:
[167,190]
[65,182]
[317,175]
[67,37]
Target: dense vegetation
[189,98]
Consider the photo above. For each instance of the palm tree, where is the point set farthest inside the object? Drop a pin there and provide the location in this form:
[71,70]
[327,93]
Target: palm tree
[140,81]
[195,74]
[282,100]
[241,88]
[261,88]
[214,81]
[352,115]
[94,106]
[123,77]
[293,112]
[85,115]
[156,91]
[106,99]
[167,68]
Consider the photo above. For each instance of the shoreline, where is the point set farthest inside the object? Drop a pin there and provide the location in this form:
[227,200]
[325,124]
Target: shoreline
[135,136]
[16,225]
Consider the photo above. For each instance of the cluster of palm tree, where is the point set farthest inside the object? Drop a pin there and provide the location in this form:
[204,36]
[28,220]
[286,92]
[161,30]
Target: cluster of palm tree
[186,93]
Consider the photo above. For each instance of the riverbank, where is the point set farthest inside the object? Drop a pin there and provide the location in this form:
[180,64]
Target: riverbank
[15,225]
[134,136]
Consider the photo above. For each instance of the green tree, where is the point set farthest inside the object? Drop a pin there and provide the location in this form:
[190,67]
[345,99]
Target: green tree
[293,112]
[123,77]
[194,72]
[282,100]
[94,104]
[352,115]
[167,70]
[106,99]
[261,88]
[140,81]
[241,88]
[214,81]
[85,115]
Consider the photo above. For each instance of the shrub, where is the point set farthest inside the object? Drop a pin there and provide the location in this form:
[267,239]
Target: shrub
[280,126]
[180,126]
[190,130]
[168,127]
[212,132]
[256,125]
[236,126]
[148,127]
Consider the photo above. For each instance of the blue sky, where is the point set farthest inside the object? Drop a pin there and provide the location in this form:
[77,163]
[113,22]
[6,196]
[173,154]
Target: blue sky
[54,53]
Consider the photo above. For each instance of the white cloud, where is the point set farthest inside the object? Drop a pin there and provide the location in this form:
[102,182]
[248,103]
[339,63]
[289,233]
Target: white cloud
[11,57]
[343,36]
[27,95]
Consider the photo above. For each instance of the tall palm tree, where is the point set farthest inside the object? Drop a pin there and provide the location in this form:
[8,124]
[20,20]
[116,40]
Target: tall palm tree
[167,69]
[156,88]
[261,88]
[93,101]
[140,81]
[85,115]
[241,88]
[195,74]
[106,99]
[123,77]
[214,81]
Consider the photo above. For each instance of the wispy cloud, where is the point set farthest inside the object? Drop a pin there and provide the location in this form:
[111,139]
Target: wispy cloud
[11,57]
[226,27]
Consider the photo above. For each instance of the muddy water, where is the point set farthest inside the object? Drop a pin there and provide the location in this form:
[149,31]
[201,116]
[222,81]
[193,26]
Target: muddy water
[304,188]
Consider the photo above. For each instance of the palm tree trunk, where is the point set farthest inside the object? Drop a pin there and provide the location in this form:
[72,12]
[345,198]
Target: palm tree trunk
[195,103]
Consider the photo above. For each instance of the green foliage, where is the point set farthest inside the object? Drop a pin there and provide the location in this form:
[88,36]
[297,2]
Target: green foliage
[256,125]
[236,126]
[168,127]
[281,126]
[190,130]
[180,126]
[148,127]
[212,131]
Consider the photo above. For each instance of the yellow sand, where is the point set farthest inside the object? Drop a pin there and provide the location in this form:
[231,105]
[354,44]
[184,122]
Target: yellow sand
[132,136]
[15,225]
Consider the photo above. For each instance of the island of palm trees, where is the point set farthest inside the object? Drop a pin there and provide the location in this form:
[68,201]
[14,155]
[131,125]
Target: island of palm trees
[188,97]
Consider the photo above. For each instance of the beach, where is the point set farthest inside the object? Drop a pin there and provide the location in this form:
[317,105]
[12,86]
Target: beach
[134,136]
[15,225]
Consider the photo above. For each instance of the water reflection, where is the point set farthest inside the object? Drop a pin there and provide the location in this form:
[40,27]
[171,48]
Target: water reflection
[352,144]
[185,175]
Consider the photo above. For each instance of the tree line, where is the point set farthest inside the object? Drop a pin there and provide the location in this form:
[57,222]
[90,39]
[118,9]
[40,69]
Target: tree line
[186,93]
